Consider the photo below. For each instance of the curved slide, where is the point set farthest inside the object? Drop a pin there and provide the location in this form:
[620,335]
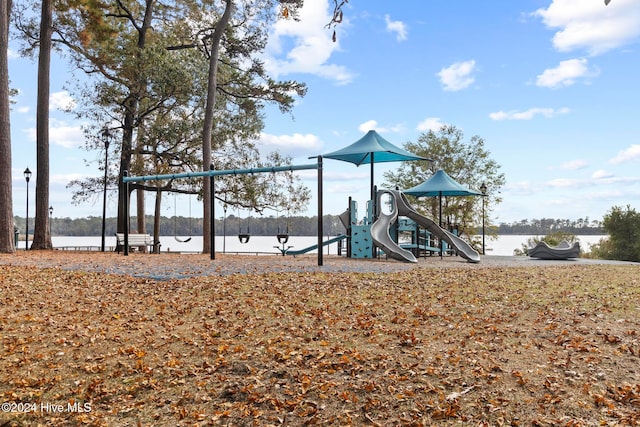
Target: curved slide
[382,239]
[402,207]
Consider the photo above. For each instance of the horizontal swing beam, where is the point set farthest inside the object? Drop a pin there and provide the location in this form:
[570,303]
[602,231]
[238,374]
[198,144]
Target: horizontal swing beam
[210,173]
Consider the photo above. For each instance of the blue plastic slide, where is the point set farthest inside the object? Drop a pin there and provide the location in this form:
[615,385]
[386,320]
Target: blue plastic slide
[310,248]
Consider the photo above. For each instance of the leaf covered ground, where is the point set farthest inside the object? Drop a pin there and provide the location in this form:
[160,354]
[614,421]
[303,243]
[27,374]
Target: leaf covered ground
[529,346]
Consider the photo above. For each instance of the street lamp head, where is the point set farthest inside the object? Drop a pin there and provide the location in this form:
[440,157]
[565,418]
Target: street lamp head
[483,188]
[50,210]
[27,174]
[106,137]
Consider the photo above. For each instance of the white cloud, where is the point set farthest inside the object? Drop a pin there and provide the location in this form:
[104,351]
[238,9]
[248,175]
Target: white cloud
[347,188]
[373,125]
[430,123]
[369,125]
[528,114]
[66,136]
[457,76]
[62,101]
[312,45]
[615,181]
[397,27]
[564,183]
[598,178]
[591,26]
[520,188]
[343,177]
[60,133]
[63,179]
[293,145]
[631,153]
[565,74]
[601,174]
[574,164]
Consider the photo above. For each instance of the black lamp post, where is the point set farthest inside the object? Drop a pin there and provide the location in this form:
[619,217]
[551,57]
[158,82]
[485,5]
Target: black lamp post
[50,218]
[106,138]
[483,190]
[27,177]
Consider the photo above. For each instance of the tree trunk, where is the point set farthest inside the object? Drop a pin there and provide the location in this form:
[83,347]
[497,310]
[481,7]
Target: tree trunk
[141,223]
[42,234]
[131,111]
[138,166]
[125,160]
[208,122]
[6,200]
[156,221]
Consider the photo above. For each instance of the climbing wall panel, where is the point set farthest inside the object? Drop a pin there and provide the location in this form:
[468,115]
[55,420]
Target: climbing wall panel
[361,242]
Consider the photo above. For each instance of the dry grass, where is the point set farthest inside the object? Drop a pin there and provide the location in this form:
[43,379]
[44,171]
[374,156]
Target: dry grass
[456,346]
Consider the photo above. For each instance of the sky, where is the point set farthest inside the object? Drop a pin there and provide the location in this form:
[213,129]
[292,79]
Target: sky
[550,85]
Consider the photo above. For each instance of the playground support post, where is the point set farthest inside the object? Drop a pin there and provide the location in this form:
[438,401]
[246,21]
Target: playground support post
[125,204]
[320,219]
[212,219]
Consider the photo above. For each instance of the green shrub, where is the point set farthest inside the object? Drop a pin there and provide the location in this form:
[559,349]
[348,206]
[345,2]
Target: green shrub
[623,227]
[601,250]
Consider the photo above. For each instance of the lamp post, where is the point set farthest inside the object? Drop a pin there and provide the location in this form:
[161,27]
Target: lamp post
[27,177]
[106,138]
[483,190]
[50,218]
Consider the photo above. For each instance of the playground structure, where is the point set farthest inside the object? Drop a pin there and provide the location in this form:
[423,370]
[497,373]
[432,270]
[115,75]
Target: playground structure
[378,229]
[382,231]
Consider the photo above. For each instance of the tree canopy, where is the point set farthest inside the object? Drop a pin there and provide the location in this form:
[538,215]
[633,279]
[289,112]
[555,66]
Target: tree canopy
[466,161]
[148,82]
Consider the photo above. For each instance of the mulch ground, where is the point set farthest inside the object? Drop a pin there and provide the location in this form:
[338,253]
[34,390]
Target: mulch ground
[180,340]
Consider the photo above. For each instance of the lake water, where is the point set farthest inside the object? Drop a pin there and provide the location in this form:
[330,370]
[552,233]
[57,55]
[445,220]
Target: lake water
[504,245]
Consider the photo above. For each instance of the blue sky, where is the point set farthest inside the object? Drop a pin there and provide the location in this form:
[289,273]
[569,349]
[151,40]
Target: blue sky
[551,86]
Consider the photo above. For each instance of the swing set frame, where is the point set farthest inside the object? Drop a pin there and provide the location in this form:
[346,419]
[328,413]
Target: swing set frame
[212,173]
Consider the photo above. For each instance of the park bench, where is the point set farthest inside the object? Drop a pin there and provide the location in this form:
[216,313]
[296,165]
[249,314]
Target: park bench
[140,241]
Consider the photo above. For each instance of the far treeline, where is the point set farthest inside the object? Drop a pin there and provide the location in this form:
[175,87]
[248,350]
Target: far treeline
[294,225]
[581,226]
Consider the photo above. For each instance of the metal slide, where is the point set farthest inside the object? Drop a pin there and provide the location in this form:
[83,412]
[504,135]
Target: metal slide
[402,207]
[381,237]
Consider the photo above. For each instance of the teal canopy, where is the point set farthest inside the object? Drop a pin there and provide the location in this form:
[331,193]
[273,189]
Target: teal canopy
[440,184]
[370,149]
